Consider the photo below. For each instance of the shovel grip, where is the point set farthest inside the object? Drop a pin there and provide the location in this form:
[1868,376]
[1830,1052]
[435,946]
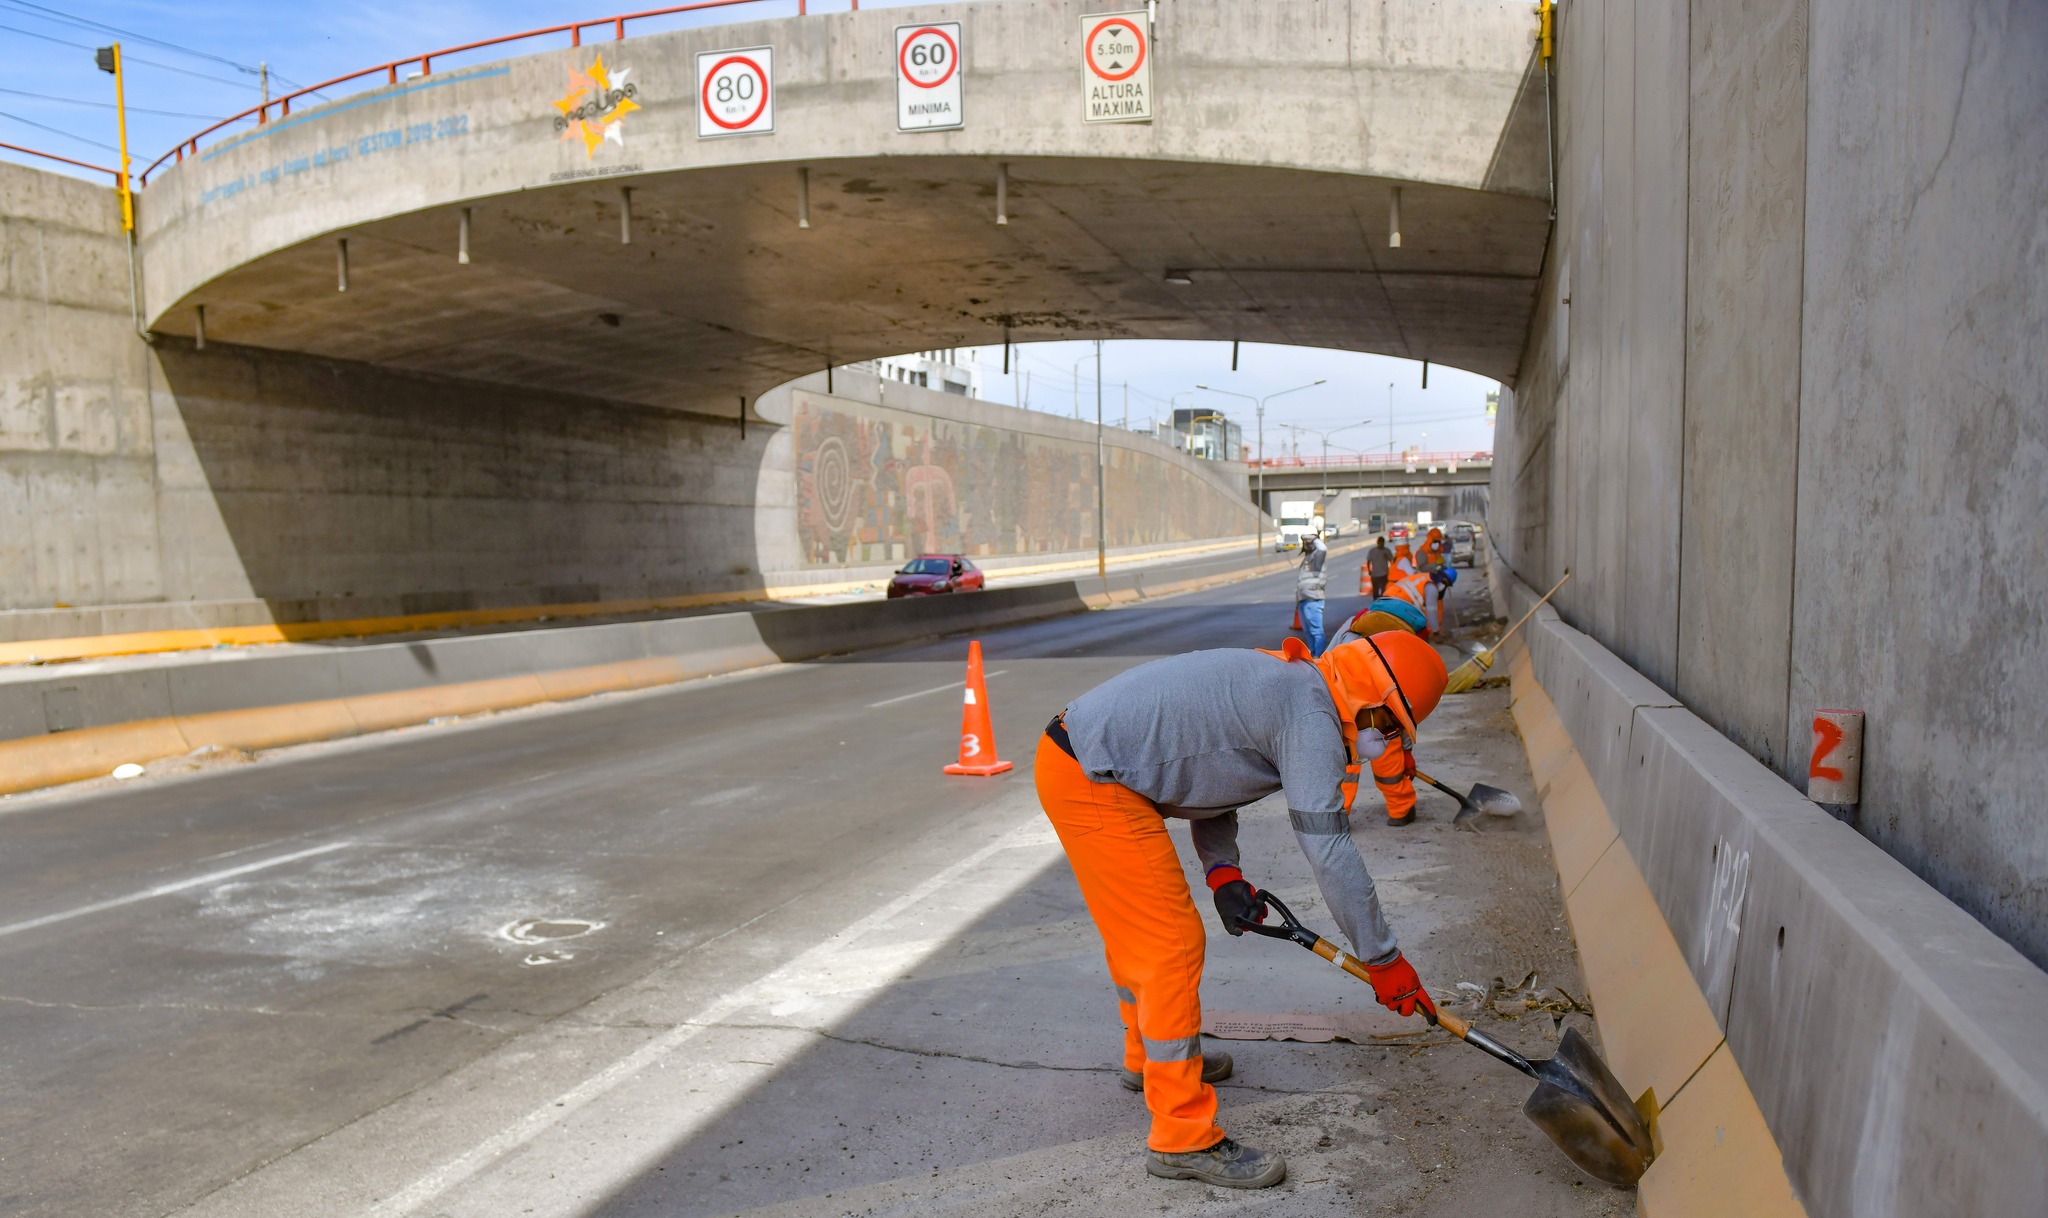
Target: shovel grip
[1356,967]
[1342,959]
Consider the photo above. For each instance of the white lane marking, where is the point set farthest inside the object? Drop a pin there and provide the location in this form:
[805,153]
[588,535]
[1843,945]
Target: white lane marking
[164,890]
[552,1112]
[934,690]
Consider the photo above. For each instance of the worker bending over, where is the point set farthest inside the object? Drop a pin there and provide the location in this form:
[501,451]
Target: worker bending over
[1393,771]
[1196,737]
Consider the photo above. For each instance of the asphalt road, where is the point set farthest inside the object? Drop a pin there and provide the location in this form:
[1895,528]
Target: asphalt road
[731,946]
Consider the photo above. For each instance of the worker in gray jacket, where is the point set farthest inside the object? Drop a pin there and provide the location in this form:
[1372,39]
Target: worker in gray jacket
[1196,737]
[1308,591]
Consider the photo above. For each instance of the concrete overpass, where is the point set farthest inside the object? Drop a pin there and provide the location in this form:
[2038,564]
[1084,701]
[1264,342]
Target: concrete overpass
[1258,205]
[1425,472]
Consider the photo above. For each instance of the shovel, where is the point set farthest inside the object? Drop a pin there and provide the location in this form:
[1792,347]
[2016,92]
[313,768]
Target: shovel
[1578,1103]
[1491,800]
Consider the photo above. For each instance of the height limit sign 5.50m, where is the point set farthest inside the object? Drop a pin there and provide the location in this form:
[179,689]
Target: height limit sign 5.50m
[928,77]
[1117,81]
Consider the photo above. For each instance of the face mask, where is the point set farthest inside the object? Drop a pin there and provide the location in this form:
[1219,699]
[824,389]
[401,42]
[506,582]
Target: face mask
[1370,745]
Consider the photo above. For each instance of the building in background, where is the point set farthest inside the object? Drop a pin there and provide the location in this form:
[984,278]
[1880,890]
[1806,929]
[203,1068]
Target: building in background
[949,371]
[1208,435]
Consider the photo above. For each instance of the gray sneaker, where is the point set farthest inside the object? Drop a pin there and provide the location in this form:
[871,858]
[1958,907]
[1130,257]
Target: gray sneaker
[1215,1068]
[1226,1164]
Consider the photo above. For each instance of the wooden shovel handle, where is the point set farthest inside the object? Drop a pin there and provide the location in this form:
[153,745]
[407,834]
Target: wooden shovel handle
[1356,967]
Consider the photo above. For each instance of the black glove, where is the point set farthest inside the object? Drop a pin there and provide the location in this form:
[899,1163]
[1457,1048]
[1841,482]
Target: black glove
[1238,899]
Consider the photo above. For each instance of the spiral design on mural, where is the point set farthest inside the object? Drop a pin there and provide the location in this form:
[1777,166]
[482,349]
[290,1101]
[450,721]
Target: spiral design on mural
[832,475]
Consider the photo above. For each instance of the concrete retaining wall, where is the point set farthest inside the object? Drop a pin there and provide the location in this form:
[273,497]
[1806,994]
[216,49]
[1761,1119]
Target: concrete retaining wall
[1891,1043]
[1781,409]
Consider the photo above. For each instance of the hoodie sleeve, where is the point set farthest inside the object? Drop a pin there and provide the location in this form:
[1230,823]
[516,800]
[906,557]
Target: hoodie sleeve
[1312,770]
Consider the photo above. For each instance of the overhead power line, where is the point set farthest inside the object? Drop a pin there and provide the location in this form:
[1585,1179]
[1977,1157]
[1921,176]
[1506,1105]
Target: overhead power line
[75,101]
[57,131]
[26,8]
[131,59]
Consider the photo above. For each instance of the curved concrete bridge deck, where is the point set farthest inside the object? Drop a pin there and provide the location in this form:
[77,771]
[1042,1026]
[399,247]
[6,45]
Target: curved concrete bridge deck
[1282,131]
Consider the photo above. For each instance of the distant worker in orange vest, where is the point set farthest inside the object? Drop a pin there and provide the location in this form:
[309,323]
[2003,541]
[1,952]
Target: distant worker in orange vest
[1196,737]
[1432,553]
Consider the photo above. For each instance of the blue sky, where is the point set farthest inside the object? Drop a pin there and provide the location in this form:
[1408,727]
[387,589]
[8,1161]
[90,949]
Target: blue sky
[191,62]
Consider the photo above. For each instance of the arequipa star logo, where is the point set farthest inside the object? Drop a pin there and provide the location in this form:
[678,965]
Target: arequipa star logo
[596,106]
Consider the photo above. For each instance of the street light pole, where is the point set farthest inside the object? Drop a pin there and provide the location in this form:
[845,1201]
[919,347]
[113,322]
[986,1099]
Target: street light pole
[1101,472]
[1259,532]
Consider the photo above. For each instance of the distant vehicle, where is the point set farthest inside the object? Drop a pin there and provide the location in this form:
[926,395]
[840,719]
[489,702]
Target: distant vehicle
[933,574]
[1298,518]
[1376,524]
[1464,544]
[1399,532]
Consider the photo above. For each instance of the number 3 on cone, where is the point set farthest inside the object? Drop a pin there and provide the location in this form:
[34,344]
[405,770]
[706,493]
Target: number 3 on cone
[970,745]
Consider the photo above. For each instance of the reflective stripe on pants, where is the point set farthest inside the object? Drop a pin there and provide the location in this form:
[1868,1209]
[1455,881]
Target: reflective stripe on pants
[1152,937]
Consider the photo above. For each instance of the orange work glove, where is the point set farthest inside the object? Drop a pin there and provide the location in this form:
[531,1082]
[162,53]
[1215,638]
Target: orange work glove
[1398,988]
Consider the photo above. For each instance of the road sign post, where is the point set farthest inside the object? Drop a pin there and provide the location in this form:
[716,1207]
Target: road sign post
[1116,56]
[736,92]
[928,94]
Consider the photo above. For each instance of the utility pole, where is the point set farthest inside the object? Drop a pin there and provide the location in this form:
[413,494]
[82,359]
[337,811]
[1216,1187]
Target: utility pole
[263,71]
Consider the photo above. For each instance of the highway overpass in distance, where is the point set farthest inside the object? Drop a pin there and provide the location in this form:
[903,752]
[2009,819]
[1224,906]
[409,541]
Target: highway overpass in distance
[1420,473]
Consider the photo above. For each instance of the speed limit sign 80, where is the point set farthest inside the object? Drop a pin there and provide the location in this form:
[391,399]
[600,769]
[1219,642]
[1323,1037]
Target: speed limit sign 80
[736,92]
[928,77]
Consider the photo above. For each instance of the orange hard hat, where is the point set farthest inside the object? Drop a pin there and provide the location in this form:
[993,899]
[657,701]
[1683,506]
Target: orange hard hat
[1393,670]
[1418,672]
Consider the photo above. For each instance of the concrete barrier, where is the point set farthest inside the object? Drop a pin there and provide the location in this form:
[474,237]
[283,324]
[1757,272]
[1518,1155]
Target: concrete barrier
[61,726]
[1805,1008]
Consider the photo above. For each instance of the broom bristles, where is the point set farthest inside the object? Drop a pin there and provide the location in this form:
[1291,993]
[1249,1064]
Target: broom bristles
[1466,675]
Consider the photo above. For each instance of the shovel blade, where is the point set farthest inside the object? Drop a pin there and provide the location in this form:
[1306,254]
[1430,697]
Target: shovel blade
[1584,1109]
[1495,802]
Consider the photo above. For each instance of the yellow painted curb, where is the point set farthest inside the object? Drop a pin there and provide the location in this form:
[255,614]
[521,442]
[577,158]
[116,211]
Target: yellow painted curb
[1715,1156]
[87,647]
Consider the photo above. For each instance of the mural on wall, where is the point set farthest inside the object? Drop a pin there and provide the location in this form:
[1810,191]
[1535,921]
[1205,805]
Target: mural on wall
[883,485]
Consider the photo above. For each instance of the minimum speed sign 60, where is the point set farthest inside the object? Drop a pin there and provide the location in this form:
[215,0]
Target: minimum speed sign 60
[1116,77]
[736,92]
[928,77]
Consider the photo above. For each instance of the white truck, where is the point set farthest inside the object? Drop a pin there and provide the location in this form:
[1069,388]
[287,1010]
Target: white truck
[1298,518]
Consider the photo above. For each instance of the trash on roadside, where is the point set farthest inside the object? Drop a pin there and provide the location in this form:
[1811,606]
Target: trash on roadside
[1357,1027]
[127,770]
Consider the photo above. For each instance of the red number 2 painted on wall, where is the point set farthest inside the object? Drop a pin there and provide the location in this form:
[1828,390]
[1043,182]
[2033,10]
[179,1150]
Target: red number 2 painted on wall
[1826,736]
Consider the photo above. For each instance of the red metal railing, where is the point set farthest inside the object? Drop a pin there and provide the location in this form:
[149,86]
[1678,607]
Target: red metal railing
[51,156]
[574,29]
[1317,462]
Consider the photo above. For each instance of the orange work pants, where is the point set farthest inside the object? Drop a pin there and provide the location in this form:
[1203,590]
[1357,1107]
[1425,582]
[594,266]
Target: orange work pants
[1152,937]
[1390,774]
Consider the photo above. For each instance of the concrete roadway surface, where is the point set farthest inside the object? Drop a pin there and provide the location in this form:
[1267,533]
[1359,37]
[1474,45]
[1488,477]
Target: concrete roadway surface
[734,946]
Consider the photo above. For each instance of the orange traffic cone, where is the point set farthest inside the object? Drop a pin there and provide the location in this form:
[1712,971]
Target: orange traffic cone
[1297,616]
[977,731]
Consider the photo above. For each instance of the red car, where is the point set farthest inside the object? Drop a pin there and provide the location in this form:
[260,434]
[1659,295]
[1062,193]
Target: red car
[932,574]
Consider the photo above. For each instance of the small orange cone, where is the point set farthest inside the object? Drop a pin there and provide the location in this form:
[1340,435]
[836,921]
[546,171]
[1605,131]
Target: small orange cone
[1297,616]
[977,731]
[1364,582]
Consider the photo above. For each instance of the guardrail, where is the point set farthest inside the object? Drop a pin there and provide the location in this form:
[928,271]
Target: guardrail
[51,156]
[1352,462]
[391,70]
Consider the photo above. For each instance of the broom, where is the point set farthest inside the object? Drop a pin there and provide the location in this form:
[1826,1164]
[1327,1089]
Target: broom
[1466,675]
